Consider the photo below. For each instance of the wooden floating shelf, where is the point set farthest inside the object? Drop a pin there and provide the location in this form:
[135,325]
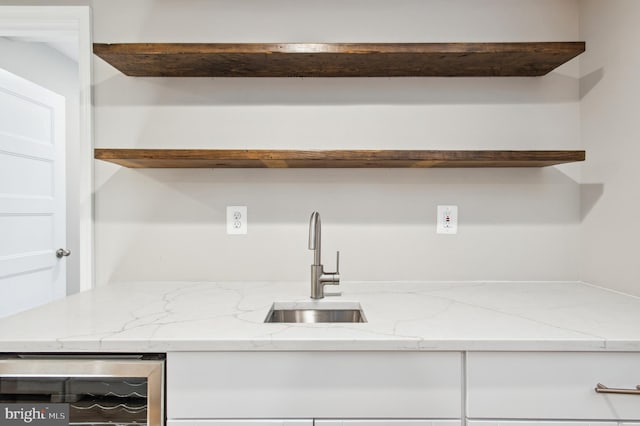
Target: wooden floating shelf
[249,158]
[338,59]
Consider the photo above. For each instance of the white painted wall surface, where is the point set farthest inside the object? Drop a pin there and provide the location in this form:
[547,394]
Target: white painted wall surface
[169,224]
[610,104]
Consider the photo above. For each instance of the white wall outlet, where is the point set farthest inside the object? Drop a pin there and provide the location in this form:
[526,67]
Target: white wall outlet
[236,220]
[447,220]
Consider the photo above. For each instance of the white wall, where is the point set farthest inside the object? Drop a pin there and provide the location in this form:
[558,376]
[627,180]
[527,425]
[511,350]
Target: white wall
[610,103]
[49,68]
[169,224]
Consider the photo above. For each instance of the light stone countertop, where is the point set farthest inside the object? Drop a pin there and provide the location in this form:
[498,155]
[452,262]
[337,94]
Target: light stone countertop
[411,316]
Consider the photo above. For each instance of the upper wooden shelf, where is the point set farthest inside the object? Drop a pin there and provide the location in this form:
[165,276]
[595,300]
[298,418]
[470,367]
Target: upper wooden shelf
[248,158]
[338,59]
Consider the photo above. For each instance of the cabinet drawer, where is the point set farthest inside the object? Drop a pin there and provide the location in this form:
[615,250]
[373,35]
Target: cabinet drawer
[387,422]
[204,385]
[232,422]
[540,423]
[552,385]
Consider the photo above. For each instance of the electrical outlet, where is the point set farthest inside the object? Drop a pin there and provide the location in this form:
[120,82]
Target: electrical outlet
[447,220]
[236,220]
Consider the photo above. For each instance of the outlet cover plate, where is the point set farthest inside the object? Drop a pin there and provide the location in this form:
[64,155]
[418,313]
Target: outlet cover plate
[447,220]
[236,220]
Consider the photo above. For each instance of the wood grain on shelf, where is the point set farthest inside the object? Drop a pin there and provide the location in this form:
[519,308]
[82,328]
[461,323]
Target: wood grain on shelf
[250,158]
[337,59]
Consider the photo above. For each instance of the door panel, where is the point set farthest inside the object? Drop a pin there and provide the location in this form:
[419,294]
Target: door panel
[39,235]
[26,176]
[31,292]
[26,146]
[19,104]
[32,194]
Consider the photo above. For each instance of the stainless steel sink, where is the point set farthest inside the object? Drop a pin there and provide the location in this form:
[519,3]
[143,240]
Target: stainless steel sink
[315,312]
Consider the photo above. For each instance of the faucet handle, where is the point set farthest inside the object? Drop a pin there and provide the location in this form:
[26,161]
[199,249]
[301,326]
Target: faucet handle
[338,262]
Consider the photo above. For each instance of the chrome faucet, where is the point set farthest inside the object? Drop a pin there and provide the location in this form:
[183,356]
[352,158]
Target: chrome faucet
[320,278]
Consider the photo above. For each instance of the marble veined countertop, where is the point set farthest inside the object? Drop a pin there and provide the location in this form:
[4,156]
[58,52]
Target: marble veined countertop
[402,316]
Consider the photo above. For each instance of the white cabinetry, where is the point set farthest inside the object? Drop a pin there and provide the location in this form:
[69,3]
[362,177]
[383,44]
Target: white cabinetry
[554,386]
[308,385]
[387,422]
[256,422]
[400,388]
[538,423]
[317,422]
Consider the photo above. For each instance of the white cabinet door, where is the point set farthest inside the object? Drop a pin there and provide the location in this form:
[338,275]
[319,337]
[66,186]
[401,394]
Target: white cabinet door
[536,423]
[330,385]
[552,385]
[387,422]
[249,422]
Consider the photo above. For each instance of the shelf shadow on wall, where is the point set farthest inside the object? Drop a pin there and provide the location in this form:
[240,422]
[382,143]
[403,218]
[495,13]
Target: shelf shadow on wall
[590,81]
[492,197]
[590,193]
[120,90]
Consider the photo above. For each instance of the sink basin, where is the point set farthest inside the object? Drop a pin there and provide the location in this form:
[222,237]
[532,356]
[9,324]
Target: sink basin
[312,312]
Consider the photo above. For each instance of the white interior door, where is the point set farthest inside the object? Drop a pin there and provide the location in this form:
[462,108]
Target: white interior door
[32,194]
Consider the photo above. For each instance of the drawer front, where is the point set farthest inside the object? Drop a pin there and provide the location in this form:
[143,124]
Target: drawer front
[311,422]
[539,423]
[204,385]
[538,385]
[387,422]
[231,422]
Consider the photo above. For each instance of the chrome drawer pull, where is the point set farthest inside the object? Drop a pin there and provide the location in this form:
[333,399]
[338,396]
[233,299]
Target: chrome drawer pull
[600,388]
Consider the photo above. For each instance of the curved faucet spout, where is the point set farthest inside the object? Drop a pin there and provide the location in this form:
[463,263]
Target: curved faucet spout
[315,237]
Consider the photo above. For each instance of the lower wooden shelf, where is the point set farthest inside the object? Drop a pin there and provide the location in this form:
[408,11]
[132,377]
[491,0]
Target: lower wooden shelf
[252,158]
